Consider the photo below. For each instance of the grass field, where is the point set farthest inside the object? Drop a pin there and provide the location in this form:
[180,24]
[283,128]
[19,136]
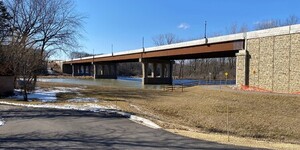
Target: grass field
[273,117]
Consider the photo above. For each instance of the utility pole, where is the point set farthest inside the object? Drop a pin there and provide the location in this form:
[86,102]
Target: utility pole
[205,24]
[112,49]
[143,44]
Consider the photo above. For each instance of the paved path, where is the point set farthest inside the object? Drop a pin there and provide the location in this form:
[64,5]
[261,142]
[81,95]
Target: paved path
[32,128]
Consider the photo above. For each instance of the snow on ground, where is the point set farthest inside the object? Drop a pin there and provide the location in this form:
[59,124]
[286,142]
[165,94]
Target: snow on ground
[49,95]
[83,99]
[46,95]
[84,107]
[137,108]
[2,121]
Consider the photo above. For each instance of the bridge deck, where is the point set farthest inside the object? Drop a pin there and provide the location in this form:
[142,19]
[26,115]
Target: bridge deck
[223,46]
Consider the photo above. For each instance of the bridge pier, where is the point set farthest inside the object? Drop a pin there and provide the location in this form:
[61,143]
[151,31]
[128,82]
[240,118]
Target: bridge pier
[160,71]
[78,69]
[67,68]
[105,70]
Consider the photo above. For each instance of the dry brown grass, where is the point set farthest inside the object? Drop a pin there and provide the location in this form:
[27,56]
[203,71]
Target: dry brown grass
[273,117]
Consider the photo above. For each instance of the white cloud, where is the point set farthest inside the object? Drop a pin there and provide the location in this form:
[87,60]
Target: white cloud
[183,26]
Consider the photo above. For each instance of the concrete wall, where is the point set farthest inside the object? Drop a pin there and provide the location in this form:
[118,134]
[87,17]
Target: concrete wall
[6,85]
[274,62]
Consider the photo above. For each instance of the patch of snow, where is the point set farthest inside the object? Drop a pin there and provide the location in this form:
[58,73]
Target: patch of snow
[83,99]
[137,108]
[2,121]
[68,89]
[144,121]
[45,95]
[85,107]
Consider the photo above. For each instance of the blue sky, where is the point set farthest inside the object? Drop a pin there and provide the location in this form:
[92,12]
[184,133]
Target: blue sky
[123,23]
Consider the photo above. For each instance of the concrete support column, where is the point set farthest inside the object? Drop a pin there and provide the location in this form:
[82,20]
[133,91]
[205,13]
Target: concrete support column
[154,70]
[101,71]
[151,67]
[154,79]
[106,71]
[77,71]
[73,70]
[95,70]
[162,70]
[242,68]
[170,70]
[145,72]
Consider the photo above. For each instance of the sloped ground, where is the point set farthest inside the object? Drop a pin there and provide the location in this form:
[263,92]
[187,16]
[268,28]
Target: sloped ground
[264,116]
[258,115]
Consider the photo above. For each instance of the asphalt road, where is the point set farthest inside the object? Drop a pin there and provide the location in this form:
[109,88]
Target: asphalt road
[32,128]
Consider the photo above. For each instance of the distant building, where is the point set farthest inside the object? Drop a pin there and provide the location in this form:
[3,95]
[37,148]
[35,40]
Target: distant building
[55,65]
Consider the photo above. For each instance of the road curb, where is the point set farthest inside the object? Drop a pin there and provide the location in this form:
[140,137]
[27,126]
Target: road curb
[140,120]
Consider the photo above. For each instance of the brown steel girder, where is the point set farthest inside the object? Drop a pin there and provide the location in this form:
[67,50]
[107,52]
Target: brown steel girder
[225,49]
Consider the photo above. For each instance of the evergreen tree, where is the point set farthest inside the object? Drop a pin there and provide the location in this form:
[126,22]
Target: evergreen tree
[4,22]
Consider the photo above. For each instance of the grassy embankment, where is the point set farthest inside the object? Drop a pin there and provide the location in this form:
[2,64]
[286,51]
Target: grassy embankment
[268,116]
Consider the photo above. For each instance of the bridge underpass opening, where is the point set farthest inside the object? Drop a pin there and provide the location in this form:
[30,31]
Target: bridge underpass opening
[162,70]
[206,70]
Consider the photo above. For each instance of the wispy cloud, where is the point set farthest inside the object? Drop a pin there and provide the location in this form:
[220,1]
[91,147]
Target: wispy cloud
[183,26]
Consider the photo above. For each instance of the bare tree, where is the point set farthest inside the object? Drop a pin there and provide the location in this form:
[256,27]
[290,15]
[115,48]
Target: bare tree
[47,25]
[235,28]
[75,54]
[267,24]
[39,28]
[277,23]
[291,20]
[165,39]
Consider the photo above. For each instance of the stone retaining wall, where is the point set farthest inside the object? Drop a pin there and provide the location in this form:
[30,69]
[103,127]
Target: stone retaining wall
[274,62]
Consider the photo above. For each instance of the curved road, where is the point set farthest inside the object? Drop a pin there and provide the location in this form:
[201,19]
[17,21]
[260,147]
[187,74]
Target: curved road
[34,128]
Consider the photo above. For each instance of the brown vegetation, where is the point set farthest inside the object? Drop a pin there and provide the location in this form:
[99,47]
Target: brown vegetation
[257,115]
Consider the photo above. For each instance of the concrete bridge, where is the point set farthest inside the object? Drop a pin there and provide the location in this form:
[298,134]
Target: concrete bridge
[268,59]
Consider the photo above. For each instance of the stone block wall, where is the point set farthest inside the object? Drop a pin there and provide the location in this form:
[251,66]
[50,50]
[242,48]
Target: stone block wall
[295,63]
[274,62]
[241,65]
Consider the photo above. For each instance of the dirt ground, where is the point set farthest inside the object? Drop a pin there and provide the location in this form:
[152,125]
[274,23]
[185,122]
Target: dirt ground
[263,116]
